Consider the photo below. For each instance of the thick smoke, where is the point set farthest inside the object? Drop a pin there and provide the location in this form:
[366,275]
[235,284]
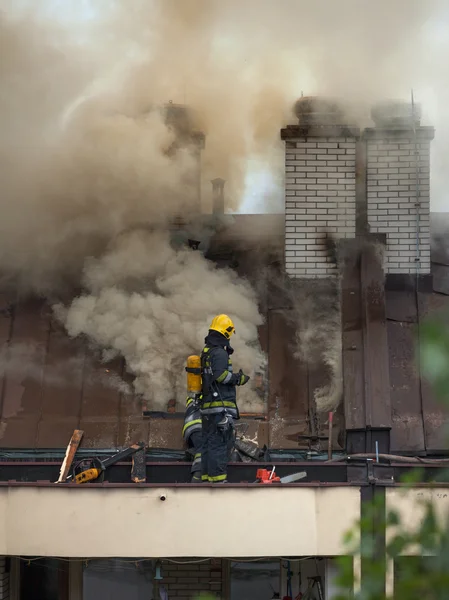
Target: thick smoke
[314,314]
[86,156]
[81,158]
[153,305]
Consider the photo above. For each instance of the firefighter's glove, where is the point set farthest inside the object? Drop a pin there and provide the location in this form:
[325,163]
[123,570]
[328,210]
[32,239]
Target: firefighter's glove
[242,378]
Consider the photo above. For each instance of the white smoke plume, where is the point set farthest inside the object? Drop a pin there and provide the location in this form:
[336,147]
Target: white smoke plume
[153,305]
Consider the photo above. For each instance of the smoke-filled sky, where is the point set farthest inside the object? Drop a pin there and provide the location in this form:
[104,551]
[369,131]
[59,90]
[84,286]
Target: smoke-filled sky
[240,63]
[87,171]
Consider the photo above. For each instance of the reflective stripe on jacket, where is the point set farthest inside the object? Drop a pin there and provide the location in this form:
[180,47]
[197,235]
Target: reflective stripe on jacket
[192,419]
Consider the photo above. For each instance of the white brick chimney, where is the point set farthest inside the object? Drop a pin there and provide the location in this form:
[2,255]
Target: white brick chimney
[320,196]
[398,149]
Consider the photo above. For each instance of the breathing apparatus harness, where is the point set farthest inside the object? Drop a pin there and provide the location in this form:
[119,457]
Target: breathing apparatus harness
[203,373]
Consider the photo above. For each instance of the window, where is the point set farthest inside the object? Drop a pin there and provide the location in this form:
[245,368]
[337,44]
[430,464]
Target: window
[259,580]
[43,578]
[115,579]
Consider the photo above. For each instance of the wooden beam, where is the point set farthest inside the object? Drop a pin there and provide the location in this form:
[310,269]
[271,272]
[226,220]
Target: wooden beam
[435,414]
[376,361]
[407,434]
[70,455]
[352,345]
[15,578]
[139,468]
[75,580]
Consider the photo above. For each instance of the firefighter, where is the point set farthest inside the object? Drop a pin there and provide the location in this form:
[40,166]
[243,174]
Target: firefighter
[218,406]
[193,436]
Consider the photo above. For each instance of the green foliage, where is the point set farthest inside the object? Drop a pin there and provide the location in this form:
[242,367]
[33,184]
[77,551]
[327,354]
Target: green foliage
[420,555]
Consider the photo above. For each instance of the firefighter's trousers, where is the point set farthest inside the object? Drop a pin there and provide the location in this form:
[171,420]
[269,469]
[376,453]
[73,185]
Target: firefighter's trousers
[216,448]
[195,443]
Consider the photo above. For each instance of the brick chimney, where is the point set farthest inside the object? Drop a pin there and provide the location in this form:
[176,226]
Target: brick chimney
[320,182]
[398,185]
[218,202]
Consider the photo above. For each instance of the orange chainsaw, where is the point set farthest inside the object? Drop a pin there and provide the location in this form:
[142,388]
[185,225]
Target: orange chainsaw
[266,477]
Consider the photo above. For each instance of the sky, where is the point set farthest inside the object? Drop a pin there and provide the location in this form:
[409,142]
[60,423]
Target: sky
[261,186]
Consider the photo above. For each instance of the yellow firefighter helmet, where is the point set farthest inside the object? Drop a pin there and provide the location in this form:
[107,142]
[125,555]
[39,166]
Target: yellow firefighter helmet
[223,324]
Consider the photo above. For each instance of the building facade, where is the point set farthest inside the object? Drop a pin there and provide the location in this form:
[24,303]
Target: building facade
[356,231]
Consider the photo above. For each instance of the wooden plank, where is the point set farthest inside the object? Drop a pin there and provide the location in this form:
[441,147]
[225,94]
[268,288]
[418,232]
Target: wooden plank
[132,425]
[377,377]
[6,311]
[263,433]
[401,306]
[63,580]
[22,386]
[435,414]
[352,346]
[319,377]
[288,376]
[70,454]
[61,388]
[441,279]
[407,434]
[25,360]
[288,404]
[75,580]
[100,412]
[139,470]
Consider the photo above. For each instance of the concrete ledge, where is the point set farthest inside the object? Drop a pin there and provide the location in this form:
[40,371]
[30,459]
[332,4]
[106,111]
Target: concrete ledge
[128,522]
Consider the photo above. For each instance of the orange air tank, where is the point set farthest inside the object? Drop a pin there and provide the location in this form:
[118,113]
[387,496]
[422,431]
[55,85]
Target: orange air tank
[194,382]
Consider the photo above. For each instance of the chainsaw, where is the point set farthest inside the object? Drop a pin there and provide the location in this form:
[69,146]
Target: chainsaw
[266,477]
[91,469]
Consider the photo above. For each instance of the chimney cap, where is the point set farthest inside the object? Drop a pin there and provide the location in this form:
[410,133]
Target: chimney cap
[218,181]
[390,114]
[314,110]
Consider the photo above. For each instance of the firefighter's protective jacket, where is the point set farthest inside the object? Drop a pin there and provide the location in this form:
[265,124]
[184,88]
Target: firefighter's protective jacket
[219,381]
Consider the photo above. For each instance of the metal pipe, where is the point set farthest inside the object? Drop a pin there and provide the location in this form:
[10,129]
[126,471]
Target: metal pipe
[417,192]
